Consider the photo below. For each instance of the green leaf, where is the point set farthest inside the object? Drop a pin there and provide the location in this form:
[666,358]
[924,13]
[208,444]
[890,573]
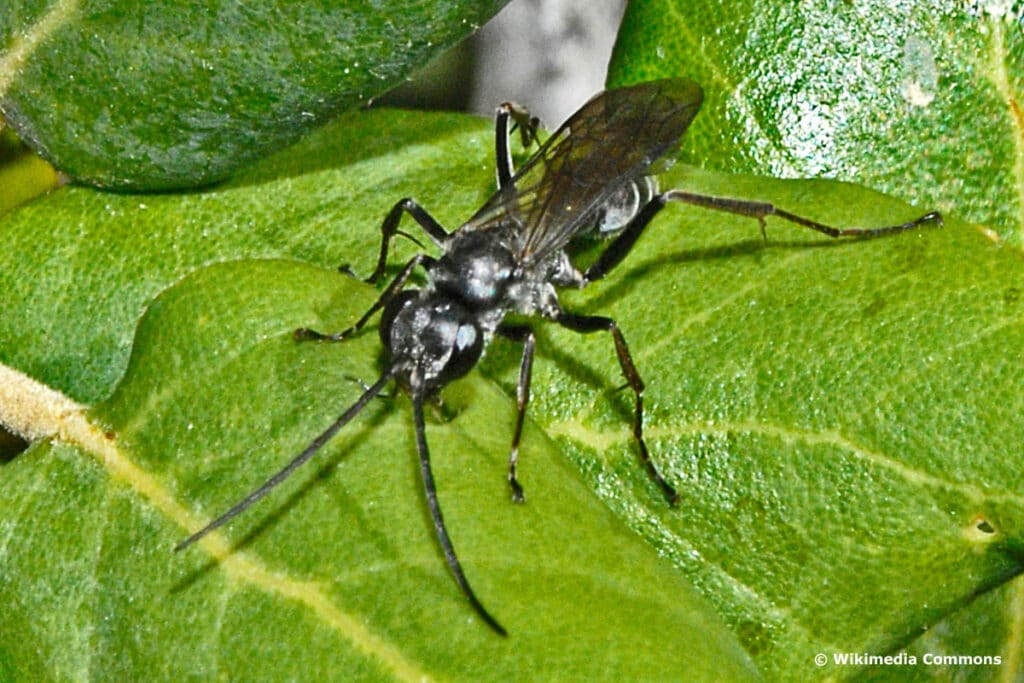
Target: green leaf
[990,624]
[839,416]
[320,201]
[165,94]
[339,577]
[840,420]
[922,99]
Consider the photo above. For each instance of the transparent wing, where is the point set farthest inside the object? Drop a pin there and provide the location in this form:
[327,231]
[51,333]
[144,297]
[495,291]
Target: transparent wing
[613,139]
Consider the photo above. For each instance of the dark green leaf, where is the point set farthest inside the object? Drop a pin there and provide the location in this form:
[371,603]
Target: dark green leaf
[168,94]
[991,626]
[922,99]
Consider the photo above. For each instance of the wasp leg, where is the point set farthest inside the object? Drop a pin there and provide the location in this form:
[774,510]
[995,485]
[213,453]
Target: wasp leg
[760,210]
[519,333]
[622,244]
[435,513]
[588,323]
[306,334]
[389,228]
[527,126]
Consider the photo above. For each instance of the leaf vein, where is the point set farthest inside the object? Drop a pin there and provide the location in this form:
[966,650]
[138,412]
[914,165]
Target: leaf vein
[1001,81]
[830,437]
[13,61]
[74,427]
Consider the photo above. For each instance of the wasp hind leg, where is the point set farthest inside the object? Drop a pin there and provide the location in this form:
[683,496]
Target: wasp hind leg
[760,210]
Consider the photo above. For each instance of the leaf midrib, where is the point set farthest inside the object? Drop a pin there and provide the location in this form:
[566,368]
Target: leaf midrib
[76,429]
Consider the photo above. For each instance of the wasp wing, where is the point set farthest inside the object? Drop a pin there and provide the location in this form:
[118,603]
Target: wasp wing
[613,139]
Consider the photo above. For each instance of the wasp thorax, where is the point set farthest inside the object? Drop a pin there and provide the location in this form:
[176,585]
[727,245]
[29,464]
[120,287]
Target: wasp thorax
[475,269]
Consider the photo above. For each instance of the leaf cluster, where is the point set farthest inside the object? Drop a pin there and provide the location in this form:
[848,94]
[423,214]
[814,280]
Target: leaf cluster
[840,417]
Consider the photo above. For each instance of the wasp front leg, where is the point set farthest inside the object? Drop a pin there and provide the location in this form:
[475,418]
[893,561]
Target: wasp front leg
[389,228]
[527,126]
[523,334]
[306,334]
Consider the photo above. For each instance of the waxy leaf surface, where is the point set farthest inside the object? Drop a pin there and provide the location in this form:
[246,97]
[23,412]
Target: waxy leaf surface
[839,417]
[166,94]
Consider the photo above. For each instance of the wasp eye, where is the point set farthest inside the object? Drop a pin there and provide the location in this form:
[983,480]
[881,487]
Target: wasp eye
[391,311]
[466,350]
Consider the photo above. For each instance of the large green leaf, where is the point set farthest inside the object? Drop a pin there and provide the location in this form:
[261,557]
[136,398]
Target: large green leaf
[172,94]
[840,418]
[920,99]
[818,428]
[339,578]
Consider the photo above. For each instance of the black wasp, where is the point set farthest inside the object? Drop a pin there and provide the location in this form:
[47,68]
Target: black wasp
[596,175]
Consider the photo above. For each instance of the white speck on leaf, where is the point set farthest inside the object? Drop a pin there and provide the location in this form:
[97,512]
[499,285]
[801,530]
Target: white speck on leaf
[920,75]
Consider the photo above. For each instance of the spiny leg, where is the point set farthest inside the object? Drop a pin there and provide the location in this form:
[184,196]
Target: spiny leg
[760,210]
[523,334]
[389,228]
[621,245]
[306,334]
[435,513]
[588,323]
[527,126]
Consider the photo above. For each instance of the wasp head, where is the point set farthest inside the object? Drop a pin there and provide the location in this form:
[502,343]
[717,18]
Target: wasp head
[430,338]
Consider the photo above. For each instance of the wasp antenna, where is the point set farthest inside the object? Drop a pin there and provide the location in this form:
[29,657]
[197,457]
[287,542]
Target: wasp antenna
[435,514]
[310,450]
